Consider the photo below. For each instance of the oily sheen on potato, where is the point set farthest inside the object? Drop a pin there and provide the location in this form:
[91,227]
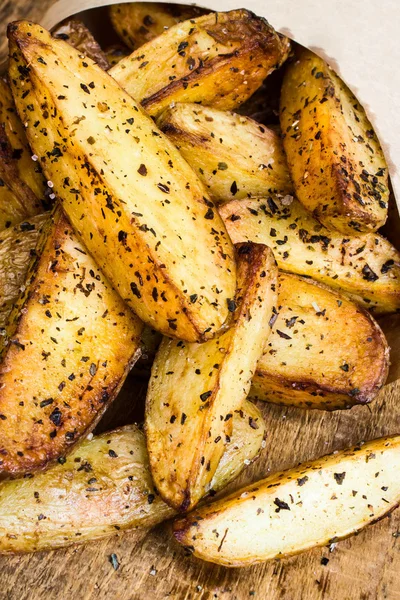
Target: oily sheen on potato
[365,267]
[314,504]
[217,60]
[105,486]
[194,389]
[335,159]
[323,352]
[137,205]
[69,343]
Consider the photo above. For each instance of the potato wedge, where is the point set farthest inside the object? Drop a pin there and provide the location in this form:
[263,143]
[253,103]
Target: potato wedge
[335,159]
[104,486]
[17,245]
[234,156]
[132,198]
[365,267]
[115,53]
[314,504]
[323,351]
[218,59]
[194,389]
[139,22]
[69,344]
[80,37]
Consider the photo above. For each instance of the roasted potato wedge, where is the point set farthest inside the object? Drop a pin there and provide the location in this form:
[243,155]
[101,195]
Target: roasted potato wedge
[336,162]
[115,53]
[314,504]
[234,156]
[139,22]
[309,362]
[365,267]
[218,59]
[194,389]
[69,344]
[80,37]
[138,206]
[17,245]
[104,486]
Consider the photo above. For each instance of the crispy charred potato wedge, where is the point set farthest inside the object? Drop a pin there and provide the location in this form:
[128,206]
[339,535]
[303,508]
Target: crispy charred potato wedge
[365,267]
[234,156]
[323,351]
[218,59]
[311,505]
[69,344]
[103,486]
[17,245]
[116,53]
[139,22]
[80,37]
[336,162]
[194,389]
[138,206]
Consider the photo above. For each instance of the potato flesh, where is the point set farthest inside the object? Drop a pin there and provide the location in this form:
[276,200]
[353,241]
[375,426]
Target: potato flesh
[365,267]
[312,505]
[218,59]
[16,247]
[139,22]
[139,208]
[309,362]
[104,486]
[195,388]
[69,344]
[234,156]
[335,159]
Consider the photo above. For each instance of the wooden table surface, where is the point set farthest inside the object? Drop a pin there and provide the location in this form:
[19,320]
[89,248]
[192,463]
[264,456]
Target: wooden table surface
[365,567]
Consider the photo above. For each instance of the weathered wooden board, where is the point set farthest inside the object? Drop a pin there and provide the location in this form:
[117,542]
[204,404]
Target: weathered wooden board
[366,567]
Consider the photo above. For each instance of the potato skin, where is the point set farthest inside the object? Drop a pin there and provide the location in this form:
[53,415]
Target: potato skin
[139,208]
[234,156]
[69,344]
[365,267]
[187,432]
[80,37]
[309,362]
[312,505]
[218,60]
[102,487]
[336,162]
[139,22]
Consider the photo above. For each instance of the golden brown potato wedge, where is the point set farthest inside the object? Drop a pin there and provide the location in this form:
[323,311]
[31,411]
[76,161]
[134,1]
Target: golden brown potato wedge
[69,344]
[336,162]
[234,156]
[115,53]
[218,59]
[314,504]
[139,22]
[365,267]
[17,245]
[138,206]
[194,389]
[323,351]
[80,37]
[104,486]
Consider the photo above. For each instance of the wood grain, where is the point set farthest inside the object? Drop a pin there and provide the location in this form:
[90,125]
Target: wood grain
[365,567]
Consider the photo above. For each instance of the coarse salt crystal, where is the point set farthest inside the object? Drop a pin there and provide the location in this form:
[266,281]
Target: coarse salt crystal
[316,307]
[90,436]
[34,157]
[50,184]
[287,200]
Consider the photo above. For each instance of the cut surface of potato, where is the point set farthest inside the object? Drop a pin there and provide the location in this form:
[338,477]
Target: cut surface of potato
[194,389]
[366,267]
[132,198]
[314,504]
[234,156]
[104,486]
[336,162]
[69,343]
[218,59]
[139,22]
[323,351]
[80,37]
[17,246]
